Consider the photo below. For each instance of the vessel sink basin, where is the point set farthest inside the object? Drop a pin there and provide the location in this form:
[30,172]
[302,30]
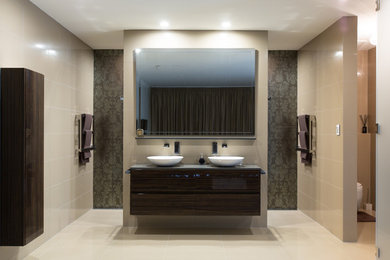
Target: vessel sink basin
[165,160]
[226,160]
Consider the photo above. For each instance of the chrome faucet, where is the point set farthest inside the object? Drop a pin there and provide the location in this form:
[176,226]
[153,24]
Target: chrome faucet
[215,148]
[177,148]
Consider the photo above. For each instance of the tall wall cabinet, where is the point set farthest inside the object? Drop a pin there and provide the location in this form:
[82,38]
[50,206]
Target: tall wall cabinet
[21,176]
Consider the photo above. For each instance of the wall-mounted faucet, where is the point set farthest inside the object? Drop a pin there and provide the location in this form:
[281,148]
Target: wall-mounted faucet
[215,148]
[166,145]
[177,148]
[224,145]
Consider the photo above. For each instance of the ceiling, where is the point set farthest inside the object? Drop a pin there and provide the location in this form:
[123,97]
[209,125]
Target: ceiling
[291,23]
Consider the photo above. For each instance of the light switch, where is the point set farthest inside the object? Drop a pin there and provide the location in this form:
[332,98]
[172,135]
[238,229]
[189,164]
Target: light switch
[338,129]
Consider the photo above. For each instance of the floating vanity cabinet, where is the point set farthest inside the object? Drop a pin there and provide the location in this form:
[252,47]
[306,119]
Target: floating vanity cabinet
[195,190]
[21,175]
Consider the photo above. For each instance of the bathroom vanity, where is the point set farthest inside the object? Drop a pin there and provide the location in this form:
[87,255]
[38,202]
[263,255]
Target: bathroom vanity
[202,190]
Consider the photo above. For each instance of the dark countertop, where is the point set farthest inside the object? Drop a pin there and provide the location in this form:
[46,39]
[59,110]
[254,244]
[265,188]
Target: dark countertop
[194,167]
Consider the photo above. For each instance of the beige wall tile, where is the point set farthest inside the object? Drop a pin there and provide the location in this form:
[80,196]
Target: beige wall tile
[68,91]
[327,80]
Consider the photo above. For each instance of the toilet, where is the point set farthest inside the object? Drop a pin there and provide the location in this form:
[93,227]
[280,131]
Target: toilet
[359,195]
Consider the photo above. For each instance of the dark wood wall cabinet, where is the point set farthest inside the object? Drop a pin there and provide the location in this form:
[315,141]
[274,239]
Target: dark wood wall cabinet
[21,176]
[188,190]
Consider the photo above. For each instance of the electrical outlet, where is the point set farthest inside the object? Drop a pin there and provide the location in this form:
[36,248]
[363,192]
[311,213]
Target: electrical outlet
[338,129]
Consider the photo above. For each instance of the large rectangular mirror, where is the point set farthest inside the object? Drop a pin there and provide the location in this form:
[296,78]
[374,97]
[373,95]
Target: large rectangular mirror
[195,92]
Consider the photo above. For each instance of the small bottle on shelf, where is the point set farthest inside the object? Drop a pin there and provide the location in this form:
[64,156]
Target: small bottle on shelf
[201,159]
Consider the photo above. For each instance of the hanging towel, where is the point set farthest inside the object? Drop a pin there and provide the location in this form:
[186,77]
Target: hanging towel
[87,139]
[303,123]
[303,140]
[87,122]
[303,144]
[306,159]
[84,156]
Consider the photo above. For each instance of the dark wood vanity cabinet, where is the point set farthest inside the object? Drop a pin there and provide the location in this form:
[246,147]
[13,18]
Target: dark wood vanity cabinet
[213,192]
[21,160]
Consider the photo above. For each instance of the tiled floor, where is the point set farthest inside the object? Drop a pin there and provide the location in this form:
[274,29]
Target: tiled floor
[291,235]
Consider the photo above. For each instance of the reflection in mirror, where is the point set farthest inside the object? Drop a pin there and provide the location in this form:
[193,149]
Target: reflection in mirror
[195,92]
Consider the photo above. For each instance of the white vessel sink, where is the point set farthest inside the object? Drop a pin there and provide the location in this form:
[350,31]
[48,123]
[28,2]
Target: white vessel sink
[165,160]
[226,160]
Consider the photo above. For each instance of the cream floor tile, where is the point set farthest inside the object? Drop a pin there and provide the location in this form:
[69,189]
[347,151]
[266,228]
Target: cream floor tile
[366,233]
[276,252]
[66,252]
[291,235]
[130,252]
[192,252]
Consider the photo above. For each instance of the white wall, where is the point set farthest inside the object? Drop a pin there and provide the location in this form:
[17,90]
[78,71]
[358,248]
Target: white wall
[26,33]
[255,152]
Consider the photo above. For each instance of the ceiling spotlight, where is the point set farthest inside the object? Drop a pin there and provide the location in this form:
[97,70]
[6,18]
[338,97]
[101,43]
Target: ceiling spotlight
[137,51]
[164,24]
[226,25]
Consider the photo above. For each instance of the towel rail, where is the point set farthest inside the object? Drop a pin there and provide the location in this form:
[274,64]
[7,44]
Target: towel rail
[79,133]
[309,138]
[311,133]
[79,123]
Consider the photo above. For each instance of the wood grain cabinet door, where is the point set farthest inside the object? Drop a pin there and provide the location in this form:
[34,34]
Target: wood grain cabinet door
[33,179]
[21,176]
[231,181]
[202,192]
[162,181]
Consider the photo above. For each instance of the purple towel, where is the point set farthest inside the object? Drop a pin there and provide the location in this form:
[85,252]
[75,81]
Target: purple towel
[303,123]
[303,144]
[87,122]
[88,139]
[84,157]
[306,159]
[303,139]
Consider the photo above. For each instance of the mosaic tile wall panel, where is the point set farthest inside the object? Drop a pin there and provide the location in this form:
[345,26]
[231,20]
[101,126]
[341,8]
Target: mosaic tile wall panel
[108,112]
[282,113]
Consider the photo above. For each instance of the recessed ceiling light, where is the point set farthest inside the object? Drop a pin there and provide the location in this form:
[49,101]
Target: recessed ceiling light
[164,24]
[226,24]
[137,51]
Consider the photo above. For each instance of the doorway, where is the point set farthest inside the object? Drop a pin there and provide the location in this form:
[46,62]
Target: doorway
[366,174]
